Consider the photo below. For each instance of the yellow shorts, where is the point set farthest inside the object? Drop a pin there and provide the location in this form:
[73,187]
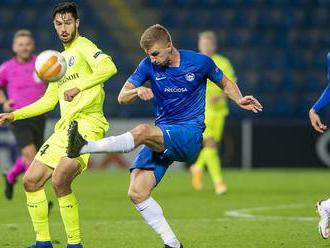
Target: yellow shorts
[55,147]
[214,126]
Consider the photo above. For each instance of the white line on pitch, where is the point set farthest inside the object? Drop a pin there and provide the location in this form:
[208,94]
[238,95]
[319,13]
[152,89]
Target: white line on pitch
[247,213]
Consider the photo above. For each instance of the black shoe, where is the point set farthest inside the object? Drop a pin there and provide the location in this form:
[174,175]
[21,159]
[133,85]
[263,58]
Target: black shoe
[76,141]
[166,246]
[9,188]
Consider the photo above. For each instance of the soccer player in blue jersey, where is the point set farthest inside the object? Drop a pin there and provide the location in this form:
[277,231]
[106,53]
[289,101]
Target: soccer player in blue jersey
[178,82]
[323,207]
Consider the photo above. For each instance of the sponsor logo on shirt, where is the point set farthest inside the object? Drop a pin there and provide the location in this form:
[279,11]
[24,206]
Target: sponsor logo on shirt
[65,79]
[175,90]
[71,61]
[190,76]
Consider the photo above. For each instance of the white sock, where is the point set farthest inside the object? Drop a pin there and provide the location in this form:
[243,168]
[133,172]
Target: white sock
[121,143]
[327,205]
[152,213]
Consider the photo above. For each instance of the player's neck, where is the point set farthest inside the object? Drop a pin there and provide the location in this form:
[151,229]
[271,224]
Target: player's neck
[175,58]
[21,60]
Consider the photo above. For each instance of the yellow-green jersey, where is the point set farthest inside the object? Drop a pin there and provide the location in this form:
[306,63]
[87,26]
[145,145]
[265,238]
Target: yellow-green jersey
[87,69]
[219,106]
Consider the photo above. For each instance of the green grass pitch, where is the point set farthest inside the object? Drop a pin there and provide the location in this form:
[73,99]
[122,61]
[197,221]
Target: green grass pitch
[262,209]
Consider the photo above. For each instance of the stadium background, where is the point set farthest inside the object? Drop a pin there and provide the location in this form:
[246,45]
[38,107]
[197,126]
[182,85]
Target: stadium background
[278,49]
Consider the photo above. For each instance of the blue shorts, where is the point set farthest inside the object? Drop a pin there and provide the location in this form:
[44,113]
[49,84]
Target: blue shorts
[182,143]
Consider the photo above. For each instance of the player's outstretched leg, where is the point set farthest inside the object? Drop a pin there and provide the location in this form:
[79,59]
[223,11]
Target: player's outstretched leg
[78,145]
[323,209]
[33,181]
[141,186]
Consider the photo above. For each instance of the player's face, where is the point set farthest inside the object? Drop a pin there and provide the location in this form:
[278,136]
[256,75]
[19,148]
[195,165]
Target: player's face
[206,46]
[23,47]
[160,54]
[66,27]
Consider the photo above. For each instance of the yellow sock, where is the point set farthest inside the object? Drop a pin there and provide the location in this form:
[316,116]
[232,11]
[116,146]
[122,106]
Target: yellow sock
[70,216]
[213,163]
[201,160]
[38,209]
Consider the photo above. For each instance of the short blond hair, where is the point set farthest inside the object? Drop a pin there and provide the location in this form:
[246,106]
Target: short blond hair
[23,32]
[210,35]
[155,33]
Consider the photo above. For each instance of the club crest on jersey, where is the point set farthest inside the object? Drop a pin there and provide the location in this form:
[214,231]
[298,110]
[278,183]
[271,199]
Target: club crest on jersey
[71,61]
[190,76]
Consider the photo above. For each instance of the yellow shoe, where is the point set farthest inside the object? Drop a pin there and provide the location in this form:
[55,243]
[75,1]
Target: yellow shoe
[220,188]
[196,174]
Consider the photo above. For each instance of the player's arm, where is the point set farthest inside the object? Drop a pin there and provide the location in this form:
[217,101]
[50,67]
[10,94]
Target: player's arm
[46,103]
[102,66]
[133,88]
[323,101]
[230,88]
[314,117]
[129,93]
[3,97]
[6,103]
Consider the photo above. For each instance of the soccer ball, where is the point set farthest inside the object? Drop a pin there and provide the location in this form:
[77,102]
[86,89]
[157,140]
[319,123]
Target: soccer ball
[50,66]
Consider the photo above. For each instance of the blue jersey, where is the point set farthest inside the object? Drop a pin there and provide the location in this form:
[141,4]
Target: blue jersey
[324,99]
[179,91]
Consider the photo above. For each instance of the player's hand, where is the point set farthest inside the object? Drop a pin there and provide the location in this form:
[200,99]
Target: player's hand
[250,103]
[70,94]
[316,121]
[5,118]
[145,93]
[7,106]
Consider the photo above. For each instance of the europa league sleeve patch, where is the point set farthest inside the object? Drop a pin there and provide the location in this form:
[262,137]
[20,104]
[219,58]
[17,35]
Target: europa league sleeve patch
[97,54]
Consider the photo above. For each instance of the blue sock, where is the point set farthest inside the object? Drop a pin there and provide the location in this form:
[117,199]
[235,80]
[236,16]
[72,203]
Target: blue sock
[75,246]
[42,244]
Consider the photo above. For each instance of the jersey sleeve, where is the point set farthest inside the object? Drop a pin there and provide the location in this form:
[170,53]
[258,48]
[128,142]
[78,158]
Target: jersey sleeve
[328,65]
[101,64]
[140,75]
[3,80]
[213,72]
[46,103]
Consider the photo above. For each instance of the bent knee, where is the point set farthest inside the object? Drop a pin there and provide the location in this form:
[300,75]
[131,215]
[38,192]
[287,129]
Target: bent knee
[142,129]
[137,196]
[57,182]
[30,183]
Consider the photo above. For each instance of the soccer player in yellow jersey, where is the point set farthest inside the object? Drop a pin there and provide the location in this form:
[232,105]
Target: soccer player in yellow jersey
[216,110]
[81,95]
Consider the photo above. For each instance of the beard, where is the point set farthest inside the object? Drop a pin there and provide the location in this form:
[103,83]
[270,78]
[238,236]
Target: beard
[70,38]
